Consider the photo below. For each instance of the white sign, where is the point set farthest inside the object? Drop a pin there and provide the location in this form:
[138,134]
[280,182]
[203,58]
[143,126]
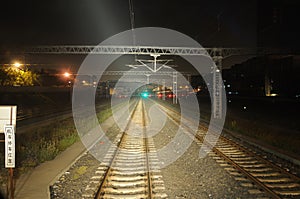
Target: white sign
[9,133]
[8,115]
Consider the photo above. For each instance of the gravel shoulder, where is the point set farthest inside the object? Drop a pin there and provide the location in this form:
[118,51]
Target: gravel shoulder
[192,177]
[73,182]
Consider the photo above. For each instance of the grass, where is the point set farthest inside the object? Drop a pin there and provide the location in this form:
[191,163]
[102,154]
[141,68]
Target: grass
[44,144]
[66,142]
[79,172]
[105,114]
[283,141]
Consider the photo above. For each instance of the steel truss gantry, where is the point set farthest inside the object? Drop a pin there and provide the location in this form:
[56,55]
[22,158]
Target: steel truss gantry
[148,50]
[134,73]
[217,54]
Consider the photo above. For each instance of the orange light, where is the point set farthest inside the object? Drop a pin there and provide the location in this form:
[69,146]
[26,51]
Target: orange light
[66,74]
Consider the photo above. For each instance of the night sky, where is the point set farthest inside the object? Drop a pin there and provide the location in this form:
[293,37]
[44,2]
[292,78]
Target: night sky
[213,23]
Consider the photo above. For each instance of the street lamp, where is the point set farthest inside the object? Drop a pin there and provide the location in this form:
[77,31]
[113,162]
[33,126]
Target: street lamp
[66,74]
[17,64]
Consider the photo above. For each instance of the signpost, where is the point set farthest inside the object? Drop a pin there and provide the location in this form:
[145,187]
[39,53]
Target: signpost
[8,118]
[9,146]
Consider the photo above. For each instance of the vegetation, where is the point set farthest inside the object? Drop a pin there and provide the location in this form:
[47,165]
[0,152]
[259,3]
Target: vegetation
[286,142]
[10,76]
[103,115]
[44,144]
[79,172]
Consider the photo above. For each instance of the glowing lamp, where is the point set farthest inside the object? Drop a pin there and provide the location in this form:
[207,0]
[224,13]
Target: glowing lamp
[145,94]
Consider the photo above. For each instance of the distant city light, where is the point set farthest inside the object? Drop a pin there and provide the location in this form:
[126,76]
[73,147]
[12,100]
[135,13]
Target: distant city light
[271,94]
[66,74]
[233,92]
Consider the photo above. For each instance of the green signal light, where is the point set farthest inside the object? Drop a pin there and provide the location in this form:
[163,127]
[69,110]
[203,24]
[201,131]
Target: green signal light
[145,95]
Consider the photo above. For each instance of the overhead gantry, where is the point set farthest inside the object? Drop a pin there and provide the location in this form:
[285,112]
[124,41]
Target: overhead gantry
[217,55]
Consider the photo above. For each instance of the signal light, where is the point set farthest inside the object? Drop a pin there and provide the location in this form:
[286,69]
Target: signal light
[144,95]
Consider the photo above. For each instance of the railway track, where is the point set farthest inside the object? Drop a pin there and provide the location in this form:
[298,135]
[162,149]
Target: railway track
[130,168]
[263,178]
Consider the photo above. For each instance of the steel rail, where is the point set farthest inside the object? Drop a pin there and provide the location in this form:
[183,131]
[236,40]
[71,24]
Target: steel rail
[106,175]
[269,191]
[294,177]
[147,153]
